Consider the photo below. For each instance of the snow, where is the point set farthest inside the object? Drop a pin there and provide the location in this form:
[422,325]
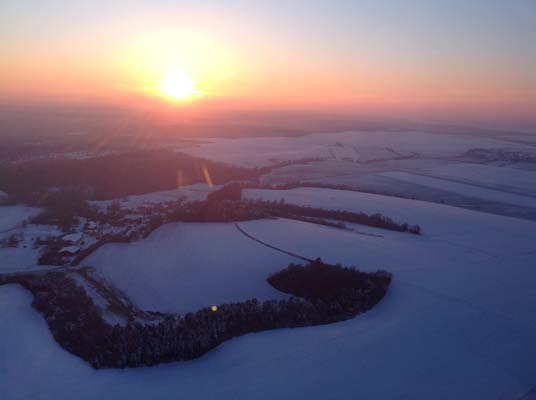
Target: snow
[359,146]
[422,165]
[73,237]
[31,363]
[11,220]
[182,267]
[17,258]
[433,218]
[99,301]
[464,189]
[458,321]
[493,176]
[11,217]
[70,249]
[92,225]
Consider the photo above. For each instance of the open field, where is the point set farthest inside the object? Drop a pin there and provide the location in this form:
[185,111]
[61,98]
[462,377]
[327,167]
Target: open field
[186,266]
[457,322]
[490,173]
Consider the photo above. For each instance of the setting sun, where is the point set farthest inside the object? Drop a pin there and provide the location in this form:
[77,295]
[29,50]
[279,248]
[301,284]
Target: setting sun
[179,86]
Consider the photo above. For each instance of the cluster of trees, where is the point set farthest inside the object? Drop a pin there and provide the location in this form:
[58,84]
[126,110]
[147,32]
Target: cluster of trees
[115,175]
[225,211]
[281,164]
[217,211]
[233,192]
[284,210]
[78,327]
[72,317]
[498,154]
[62,208]
[12,240]
[320,281]
[51,245]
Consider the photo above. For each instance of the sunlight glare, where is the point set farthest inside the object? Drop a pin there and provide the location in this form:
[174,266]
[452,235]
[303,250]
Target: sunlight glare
[179,86]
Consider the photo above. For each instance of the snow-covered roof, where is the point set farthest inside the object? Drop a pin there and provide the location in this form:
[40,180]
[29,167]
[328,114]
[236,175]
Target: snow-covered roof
[92,224]
[70,249]
[73,237]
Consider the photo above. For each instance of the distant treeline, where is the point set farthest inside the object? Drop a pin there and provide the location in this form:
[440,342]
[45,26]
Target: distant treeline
[114,176]
[233,193]
[77,325]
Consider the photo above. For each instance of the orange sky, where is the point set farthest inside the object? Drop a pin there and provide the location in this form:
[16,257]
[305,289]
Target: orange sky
[249,57]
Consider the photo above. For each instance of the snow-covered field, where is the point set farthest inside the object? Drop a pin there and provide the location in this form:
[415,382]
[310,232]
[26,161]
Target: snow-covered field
[464,189]
[24,256]
[459,320]
[356,146]
[425,166]
[515,180]
[182,267]
[12,217]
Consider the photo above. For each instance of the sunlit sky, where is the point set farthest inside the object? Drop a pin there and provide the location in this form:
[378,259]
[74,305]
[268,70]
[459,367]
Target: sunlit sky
[475,55]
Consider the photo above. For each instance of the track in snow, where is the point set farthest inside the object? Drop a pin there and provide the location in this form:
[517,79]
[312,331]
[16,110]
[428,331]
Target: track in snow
[270,246]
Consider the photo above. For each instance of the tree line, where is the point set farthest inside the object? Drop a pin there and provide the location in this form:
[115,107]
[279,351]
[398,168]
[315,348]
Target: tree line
[77,325]
[233,192]
[113,176]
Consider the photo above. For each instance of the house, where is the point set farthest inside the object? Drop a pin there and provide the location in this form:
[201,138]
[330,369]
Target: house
[69,250]
[92,225]
[73,238]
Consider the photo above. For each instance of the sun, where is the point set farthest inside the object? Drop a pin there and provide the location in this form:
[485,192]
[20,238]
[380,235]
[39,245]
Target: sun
[179,86]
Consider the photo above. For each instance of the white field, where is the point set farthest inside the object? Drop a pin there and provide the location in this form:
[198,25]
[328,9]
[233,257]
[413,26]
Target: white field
[458,322]
[488,175]
[464,189]
[12,217]
[420,165]
[357,146]
[182,267]
[433,218]
[23,257]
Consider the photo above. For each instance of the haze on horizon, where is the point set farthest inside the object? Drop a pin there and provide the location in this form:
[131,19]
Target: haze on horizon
[421,57]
